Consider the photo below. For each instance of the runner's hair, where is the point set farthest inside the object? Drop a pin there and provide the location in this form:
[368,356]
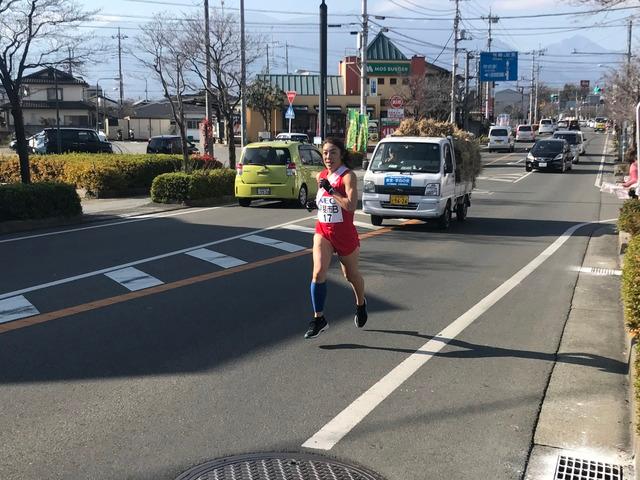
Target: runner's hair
[344,153]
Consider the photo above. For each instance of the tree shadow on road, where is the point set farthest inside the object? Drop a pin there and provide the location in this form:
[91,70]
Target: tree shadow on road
[469,350]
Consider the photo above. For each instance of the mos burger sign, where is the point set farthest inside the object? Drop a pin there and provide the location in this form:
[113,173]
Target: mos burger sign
[396,101]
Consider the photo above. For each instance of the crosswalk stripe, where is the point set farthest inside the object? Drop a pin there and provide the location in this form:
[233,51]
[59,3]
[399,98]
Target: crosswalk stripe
[365,225]
[272,242]
[133,279]
[16,307]
[217,258]
[299,228]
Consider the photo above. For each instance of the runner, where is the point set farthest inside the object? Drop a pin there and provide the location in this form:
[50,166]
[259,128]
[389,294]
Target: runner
[336,201]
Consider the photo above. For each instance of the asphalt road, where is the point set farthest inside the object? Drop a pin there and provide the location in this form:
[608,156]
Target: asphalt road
[110,384]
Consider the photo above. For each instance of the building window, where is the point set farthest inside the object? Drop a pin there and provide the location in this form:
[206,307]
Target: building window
[192,124]
[367,80]
[405,81]
[381,81]
[393,81]
[51,94]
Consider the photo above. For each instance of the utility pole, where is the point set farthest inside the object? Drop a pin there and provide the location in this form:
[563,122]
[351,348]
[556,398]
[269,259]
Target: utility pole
[454,67]
[286,55]
[535,106]
[468,57]
[322,103]
[491,20]
[533,62]
[267,59]
[120,37]
[243,82]
[363,58]
[207,89]
[630,27]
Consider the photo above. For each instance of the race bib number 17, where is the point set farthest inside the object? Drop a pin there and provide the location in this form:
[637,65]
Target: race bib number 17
[328,210]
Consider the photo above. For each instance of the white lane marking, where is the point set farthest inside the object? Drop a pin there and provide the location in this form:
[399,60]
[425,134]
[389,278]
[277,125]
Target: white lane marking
[598,182]
[500,158]
[482,192]
[300,228]
[523,177]
[133,279]
[217,258]
[345,421]
[366,225]
[141,218]
[272,242]
[495,179]
[516,163]
[16,307]
[144,260]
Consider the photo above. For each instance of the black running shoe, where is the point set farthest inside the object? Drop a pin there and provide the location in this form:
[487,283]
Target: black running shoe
[316,326]
[361,315]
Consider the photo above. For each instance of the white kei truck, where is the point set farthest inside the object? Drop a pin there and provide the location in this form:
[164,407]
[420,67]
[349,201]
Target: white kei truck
[415,177]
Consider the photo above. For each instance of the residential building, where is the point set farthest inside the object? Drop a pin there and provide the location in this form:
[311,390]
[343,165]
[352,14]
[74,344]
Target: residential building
[39,103]
[156,118]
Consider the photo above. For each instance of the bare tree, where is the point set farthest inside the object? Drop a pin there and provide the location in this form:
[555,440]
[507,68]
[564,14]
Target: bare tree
[164,44]
[264,97]
[429,96]
[224,51]
[35,34]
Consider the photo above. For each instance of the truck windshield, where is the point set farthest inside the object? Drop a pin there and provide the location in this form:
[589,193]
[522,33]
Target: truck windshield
[410,157]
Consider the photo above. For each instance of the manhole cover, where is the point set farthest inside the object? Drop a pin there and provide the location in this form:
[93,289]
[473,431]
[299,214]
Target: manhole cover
[278,466]
[570,468]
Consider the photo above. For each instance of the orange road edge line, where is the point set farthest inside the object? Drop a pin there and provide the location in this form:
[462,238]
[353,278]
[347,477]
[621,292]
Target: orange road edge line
[86,307]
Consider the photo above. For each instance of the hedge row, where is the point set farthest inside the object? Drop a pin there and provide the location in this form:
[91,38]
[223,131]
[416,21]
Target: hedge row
[38,200]
[99,174]
[629,219]
[197,187]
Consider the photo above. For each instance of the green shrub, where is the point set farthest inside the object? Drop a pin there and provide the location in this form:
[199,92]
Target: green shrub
[629,219]
[20,201]
[99,174]
[197,186]
[631,285]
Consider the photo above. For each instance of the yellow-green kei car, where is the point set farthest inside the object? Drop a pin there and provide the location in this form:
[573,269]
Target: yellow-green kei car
[278,170]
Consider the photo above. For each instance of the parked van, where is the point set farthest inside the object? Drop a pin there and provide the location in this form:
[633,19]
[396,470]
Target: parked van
[500,138]
[415,177]
[278,170]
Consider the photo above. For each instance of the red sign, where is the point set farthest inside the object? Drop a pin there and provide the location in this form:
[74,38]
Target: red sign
[291,95]
[387,130]
[396,101]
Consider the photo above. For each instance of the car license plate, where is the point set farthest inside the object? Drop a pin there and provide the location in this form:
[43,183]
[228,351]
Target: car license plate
[264,191]
[399,199]
[542,164]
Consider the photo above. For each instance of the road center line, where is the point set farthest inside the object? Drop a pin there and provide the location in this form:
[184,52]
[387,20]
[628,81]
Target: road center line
[144,260]
[501,158]
[345,421]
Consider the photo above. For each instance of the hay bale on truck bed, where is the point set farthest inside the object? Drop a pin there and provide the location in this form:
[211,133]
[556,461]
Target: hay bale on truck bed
[466,148]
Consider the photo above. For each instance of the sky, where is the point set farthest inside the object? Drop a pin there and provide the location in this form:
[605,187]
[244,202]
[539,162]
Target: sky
[422,27]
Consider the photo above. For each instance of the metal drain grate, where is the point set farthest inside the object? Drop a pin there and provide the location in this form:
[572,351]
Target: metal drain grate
[602,272]
[278,466]
[570,468]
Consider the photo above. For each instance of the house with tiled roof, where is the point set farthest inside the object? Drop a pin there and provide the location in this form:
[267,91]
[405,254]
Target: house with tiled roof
[39,102]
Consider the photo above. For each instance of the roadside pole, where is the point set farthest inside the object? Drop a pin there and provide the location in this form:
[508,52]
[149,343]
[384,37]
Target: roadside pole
[290,115]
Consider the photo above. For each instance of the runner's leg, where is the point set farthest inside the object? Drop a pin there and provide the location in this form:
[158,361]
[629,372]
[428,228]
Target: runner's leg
[351,272]
[322,252]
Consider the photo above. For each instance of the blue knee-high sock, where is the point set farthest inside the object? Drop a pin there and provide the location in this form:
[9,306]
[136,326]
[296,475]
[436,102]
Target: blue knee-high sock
[318,295]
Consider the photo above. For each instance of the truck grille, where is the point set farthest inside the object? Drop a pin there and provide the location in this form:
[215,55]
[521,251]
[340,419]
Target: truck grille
[399,190]
[410,206]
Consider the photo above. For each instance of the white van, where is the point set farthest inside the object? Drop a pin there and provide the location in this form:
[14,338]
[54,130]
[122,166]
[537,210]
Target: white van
[415,177]
[546,126]
[500,138]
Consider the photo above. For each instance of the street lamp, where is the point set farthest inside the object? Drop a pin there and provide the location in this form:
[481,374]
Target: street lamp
[103,104]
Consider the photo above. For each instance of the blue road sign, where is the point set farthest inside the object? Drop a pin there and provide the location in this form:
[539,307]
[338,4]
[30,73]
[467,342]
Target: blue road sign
[290,114]
[498,66]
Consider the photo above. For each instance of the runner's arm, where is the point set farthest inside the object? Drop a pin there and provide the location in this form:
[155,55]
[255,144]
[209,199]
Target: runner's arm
[350,202]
